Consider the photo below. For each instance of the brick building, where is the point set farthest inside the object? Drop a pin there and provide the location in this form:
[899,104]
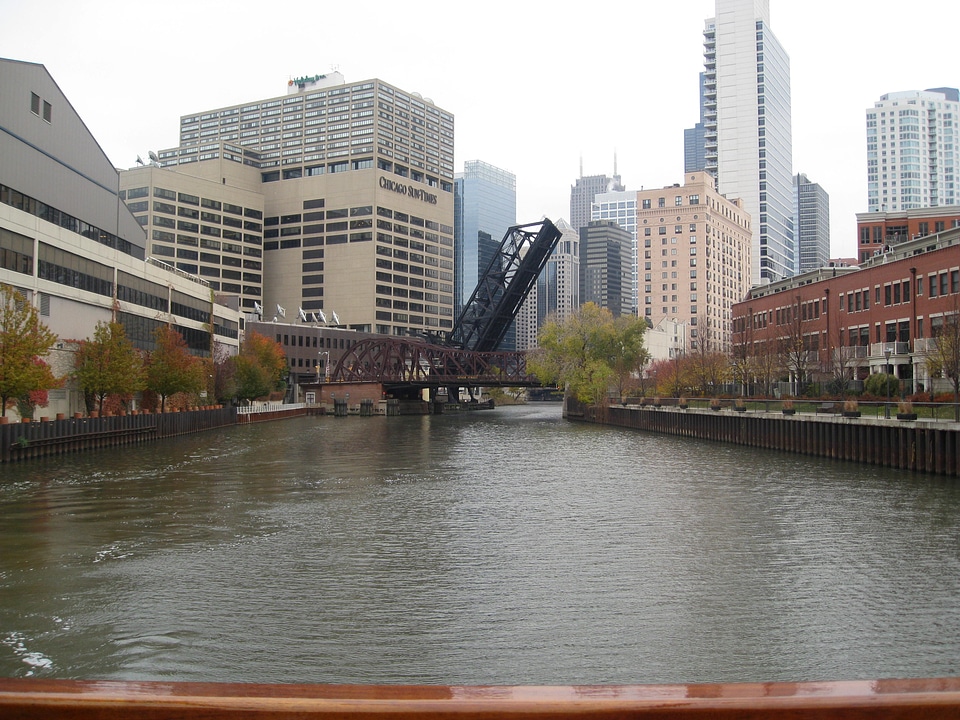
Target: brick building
[843,322]
[877,231]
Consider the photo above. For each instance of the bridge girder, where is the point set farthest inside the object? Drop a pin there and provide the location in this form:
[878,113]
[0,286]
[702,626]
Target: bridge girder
[414,363]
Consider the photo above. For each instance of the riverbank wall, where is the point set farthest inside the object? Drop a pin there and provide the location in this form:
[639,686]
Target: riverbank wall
[917,445]
[25,441]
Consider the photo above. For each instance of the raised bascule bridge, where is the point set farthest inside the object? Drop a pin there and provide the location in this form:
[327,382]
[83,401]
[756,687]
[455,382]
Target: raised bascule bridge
[466,357]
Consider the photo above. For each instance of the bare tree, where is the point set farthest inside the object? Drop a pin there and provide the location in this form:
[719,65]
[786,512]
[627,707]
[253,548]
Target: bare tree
[943,353]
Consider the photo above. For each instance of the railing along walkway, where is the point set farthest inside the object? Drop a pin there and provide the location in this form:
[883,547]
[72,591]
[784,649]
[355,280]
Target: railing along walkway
[32,699]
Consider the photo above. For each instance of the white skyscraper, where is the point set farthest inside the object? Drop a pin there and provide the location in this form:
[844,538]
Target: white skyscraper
[747,127]
[913,150]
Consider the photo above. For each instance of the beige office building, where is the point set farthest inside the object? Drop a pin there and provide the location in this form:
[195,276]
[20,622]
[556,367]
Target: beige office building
[694,248]
[355,182]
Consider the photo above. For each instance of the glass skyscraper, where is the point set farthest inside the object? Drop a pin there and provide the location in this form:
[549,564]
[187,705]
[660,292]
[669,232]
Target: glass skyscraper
[746,110]
[485,206]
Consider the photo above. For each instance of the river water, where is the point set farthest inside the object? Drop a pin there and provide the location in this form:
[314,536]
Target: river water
[494,547]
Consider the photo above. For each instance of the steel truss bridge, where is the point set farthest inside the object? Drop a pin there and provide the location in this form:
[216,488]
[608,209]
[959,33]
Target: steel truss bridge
[407,363]
[467,356]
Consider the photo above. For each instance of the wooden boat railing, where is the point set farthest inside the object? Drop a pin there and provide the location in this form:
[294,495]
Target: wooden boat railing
[27,699]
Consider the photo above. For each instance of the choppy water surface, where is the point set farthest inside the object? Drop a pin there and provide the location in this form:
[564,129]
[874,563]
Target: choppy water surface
[504,547]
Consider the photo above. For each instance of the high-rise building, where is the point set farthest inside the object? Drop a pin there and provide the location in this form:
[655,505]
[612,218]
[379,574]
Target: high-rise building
[486,206]
[811,224]
[557,292]
[696,247]
[913,150]
[694,140]
[748,130]
[357,194]
[605,266]
[621,207]
[583,192]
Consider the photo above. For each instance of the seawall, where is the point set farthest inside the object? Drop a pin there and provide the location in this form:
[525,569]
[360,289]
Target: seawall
[918,445]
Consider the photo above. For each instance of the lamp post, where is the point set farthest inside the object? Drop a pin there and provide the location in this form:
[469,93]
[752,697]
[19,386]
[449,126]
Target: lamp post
[326,365]
[886,369]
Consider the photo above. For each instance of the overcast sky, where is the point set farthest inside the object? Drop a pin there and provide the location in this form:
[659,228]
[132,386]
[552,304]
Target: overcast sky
[535,87]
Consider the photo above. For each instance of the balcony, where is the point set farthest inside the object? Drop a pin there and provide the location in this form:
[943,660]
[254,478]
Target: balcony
[879,350]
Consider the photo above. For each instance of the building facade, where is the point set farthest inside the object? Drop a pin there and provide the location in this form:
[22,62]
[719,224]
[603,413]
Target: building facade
[605,267]
[695,264]
[585,190]
[811,224]
[913,150]
[845,323]
[749,147]
[621,207]
[71,246]
[879,232]
[486,206]
[695,140]
[358,199]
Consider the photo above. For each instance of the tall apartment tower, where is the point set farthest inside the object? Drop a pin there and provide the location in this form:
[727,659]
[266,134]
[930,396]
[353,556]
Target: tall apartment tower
[811,224]
[696,247]
[583,192]
[605,266]
[485,207]
[913,150]
[747,126]
[334,198]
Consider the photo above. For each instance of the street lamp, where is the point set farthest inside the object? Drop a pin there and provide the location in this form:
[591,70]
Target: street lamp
[886,369]
[326,366]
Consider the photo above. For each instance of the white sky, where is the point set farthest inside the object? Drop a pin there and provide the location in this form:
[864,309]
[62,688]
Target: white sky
[534,86]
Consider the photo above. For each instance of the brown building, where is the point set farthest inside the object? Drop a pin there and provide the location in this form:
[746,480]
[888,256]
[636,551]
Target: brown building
[877,231]
[693,248]
[842,322]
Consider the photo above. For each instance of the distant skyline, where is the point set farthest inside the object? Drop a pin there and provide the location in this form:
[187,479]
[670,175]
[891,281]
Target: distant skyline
[538,107]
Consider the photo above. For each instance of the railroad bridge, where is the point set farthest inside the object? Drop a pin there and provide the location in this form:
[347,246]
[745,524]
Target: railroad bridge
[467,356]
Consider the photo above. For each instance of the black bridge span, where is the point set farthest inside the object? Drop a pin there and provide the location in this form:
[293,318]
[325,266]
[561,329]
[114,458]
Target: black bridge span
[468,355]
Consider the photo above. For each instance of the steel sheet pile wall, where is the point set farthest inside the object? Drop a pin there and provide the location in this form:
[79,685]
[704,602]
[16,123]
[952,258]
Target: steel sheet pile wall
[930,447]
[22,441]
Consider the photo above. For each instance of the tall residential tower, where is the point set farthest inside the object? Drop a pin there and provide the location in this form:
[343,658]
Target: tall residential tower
[913,150]
[748,130]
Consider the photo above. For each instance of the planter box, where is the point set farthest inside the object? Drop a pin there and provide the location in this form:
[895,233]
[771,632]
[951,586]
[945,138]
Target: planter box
[683,406]
[906,416]
[715,408]
[739,409]
[851,413]
[788,411]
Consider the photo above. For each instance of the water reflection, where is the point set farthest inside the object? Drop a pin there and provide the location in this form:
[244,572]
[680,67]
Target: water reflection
[487,548]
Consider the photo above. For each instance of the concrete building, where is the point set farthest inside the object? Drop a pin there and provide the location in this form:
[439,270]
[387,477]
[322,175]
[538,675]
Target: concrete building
[913,150]
[485,207]
[357,187]
[880,232]
[71,246]
[848,319]
[585,190]
[748,128]
[696,247]
[811,224]
[605,267]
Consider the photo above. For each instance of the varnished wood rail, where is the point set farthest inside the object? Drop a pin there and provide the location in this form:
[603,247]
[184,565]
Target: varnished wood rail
[29,699]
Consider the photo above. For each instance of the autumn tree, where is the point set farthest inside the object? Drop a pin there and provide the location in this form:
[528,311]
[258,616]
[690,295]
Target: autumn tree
[943,353]
[589,352]
[171,368]
[24,342]
[108,364]
[260,368]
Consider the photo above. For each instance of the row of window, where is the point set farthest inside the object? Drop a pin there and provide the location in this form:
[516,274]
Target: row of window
[9,196]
